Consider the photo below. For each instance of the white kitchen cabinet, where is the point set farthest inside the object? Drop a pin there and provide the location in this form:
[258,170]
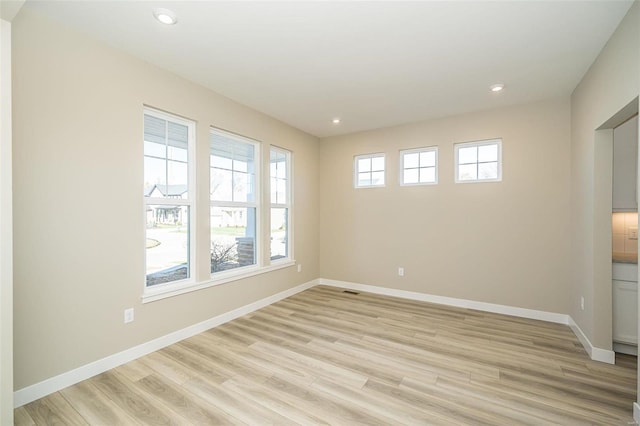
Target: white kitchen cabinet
[625,312]
[625,307]
[625,165]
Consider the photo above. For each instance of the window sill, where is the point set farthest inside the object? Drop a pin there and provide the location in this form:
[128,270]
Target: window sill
[151,295]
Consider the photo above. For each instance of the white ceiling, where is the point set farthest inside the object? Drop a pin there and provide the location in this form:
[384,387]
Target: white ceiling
[373,64]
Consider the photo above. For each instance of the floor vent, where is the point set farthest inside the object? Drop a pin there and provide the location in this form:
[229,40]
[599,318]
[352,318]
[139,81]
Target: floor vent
[350,292]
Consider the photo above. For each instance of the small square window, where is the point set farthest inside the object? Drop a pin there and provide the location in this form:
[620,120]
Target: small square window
[478,161]
[419,166]
[369,170]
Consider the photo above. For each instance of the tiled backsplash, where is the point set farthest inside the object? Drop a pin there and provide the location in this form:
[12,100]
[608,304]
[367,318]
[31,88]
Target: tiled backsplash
[625,232]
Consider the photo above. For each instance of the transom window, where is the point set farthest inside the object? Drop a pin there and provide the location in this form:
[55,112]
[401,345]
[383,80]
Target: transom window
[479,161]
[369,170]
[419,166]
[169,198]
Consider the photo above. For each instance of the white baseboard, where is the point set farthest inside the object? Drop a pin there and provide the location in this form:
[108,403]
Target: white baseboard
[636,412]
[450,301]
[61,381]
[596,354]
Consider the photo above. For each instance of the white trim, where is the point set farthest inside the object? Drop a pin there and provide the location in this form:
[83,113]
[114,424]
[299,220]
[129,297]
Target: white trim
[636,412]
[596,354]
[31,393]
[6,228]
[450,301]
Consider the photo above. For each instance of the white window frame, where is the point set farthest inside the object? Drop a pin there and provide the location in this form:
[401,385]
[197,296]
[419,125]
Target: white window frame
[458,146]
[235,273]
[288,205]
[356,171]
[418,151]
[190,201]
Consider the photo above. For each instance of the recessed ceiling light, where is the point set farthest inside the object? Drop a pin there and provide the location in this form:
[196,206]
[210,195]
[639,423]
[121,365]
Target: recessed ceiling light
[497,87]
[165,16]
[336,121]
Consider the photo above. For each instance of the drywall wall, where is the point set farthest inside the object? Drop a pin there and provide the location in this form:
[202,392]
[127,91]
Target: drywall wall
[79,221]
[505,242]
[609,86]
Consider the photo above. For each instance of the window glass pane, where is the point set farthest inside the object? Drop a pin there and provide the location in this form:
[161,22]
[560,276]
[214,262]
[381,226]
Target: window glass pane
[241,187]
[178,135]
[467,172]
[220,162]
[232,169]
[411,176]
[272,187]
[154,172]
[467,155]
[279,233]
[364,165]
[178,174]
[233,236]
[364,179]
[377,178]
[428,175]
[377,163]
[411,160]
[240,166]
[221,185]
[155,149]
[488,153]
[167,245]
[281,191]
[488,170]
[428,159]
[179,154]
[282,169]
[155,129]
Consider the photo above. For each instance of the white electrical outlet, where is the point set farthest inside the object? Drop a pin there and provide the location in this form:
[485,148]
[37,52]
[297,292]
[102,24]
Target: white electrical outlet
[128,315]
[401,271]
[582,303]
[299,267]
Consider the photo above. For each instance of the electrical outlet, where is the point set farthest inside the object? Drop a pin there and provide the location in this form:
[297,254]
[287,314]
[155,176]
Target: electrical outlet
[582,303]
[128,315]
[299,267]
[401,271]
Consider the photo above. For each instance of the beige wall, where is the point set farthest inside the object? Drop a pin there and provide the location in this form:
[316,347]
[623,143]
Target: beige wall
[504,243]
[78,199]
[610,85]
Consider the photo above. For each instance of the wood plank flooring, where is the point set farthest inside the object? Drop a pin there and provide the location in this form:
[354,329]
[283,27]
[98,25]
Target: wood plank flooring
[325,356]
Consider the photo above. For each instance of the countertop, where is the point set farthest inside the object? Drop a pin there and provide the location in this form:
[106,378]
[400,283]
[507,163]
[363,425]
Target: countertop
[619,257]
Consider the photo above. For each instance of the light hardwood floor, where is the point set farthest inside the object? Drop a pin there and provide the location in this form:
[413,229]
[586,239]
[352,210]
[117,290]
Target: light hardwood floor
[327,356]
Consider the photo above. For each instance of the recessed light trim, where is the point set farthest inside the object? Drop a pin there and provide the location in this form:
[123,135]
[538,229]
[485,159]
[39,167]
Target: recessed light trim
[498,87]
[336,120]
[165,16]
